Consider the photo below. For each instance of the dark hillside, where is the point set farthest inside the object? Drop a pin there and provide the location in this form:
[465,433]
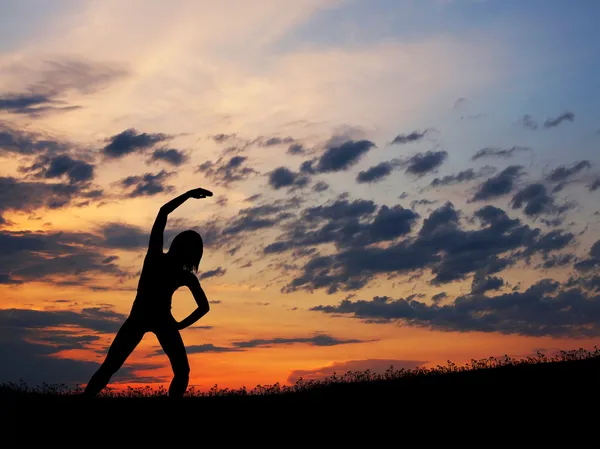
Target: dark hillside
[530,402]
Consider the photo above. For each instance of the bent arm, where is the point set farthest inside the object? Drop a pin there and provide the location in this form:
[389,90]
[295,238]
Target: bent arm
[200,298]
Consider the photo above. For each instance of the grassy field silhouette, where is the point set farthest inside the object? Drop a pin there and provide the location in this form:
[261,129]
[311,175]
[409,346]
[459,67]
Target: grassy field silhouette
[538,400]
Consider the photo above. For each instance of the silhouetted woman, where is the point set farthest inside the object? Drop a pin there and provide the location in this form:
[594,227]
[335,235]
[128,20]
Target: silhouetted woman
[162,274]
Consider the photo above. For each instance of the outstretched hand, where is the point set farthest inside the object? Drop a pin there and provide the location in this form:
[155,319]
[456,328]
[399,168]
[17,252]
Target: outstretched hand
[200,193]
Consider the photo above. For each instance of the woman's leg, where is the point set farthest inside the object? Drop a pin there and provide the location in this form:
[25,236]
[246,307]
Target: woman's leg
[171,342]
[122,346]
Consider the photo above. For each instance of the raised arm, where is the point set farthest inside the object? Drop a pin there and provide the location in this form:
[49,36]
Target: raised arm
[158,229]
[200,297]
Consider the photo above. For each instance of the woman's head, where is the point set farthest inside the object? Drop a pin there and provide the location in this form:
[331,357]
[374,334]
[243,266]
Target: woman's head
[186,250]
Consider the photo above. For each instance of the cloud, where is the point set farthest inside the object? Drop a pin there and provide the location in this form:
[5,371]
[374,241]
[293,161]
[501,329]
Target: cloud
[482,284]
[296,148]
[498,185]
[36,256]
[277,141]
[30,104]
[422,163]
[31,339]
[554,122]
[346,224]
[13,141]
[414,136]
[339,158]
[544,309]
[592,261]
[92,318]
[528,122]
[441,246]
[561,173]
[459,102]
[171,156]
[200,349]
[376,173]
[148,184]
[536,200]
[316,340]
[284,177]
[17,195]
[379,366]
[219,271]
[320,186]
[219,138]
[226,171]
[131,141]
[439,297]
[56,79]
[594,185]
[498,152]
[458,178]
[62,165]
[229,232]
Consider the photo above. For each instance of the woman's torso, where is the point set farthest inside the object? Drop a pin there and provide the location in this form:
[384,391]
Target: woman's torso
[158,281]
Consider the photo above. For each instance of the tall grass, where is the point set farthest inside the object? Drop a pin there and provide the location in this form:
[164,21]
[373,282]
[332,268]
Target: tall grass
[52,390]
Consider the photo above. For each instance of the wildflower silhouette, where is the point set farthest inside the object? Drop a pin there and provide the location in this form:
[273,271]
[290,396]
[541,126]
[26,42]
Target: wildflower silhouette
[162,274]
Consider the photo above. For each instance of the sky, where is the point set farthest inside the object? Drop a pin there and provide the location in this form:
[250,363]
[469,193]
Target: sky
[396,183]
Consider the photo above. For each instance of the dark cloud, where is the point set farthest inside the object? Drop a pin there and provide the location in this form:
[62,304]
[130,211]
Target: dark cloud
[442,246]
[27,143]
[131,141]
[345,224]
[222,137]
[528,122]
[561,173]
[93,318]
[35,256]
[498,152]
[498,185]
[557,260]
[320,186]
[459,102]
[317,340]
[123,236]
[376,173]
[277,141]
[544,309]
[296,148]
[594,185]
[226,171]
[62,165]
[342,157]
[482,284]
[460,177]
[30,340]
[171,156]
[17,195]
[148,184]
[55,79]
[423,163]
[537,201]
[554,122]
[30,104]
[421,202]
[592,261]
[229,232]
[219,271]
[284,177]
[439,297]
[379,366]
[414,136]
